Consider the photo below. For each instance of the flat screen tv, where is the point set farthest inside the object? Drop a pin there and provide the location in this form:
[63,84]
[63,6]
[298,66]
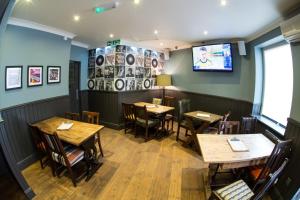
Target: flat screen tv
[216,57]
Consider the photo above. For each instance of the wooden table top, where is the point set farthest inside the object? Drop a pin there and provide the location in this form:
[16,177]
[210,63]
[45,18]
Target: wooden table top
[211,119]
[215,148]
[156,109]
[76,135]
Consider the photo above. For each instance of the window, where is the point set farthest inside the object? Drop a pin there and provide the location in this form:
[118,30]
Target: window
[278,83]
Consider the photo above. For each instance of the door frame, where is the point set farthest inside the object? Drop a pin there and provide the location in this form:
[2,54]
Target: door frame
[79,83]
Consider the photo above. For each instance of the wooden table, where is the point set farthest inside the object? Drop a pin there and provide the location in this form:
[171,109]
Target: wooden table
[157,110]
[80,134]
[216,150]
[206,121]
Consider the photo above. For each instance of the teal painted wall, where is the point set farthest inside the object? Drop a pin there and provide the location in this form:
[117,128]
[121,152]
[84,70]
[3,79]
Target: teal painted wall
[82,55]
[23,46]
[295,112]
[236,85]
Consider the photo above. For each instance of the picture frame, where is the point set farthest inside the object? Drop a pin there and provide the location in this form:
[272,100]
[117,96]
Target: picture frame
[13,77]
[34,75]
[53,74]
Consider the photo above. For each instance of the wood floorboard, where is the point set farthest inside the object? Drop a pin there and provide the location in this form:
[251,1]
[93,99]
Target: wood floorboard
[132,170]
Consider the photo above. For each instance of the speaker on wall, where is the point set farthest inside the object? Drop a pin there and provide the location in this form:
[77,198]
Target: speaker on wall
[242,48]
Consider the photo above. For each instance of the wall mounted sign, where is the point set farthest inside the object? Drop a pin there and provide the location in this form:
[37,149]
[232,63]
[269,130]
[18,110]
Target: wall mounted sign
[13,77]
[34,76]
[53,74]
[113,43]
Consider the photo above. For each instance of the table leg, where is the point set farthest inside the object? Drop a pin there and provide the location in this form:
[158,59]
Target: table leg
[90,154]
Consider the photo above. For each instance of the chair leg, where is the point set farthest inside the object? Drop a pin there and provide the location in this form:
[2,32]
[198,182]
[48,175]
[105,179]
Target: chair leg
[146,134]
[72,176]
[186,132]
[100,147]
[172,124]
[178,129]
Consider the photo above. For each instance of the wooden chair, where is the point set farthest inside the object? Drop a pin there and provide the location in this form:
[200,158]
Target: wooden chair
[240,190]
[248,125]
[184,106]
[72,116]
[212,128]
[128,113]
[40,145]
[280,152]
[229,127]
[142,119]
[157,101]
[169,101]
[67,156]
[93,118]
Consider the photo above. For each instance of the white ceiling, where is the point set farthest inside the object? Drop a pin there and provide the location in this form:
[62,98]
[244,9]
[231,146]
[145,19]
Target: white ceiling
[179,22]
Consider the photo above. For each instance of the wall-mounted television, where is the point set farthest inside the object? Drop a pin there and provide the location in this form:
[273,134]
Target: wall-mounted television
[216,57]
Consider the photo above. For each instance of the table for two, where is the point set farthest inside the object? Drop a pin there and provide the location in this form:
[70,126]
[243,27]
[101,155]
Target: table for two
[80,134]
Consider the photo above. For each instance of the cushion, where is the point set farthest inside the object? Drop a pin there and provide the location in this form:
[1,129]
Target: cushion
[238,190]
[151,122]
[73,154]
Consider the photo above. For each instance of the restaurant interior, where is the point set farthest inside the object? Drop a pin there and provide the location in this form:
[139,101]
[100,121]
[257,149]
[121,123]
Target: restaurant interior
[149,99]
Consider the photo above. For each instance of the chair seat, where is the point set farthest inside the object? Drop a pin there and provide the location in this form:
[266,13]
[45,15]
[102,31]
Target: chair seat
[169,117]
[196,123]
[74,155]
[238,190]
[151,122]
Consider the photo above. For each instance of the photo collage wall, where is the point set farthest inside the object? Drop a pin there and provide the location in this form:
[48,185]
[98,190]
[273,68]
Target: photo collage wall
[123,68]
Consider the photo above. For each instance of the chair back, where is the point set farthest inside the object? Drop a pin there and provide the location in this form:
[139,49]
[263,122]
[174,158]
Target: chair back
[270,181]
[169,101]
[128,111]
[141,113]
[91,117]
[271,136]
[72,116]
[229,127]
[55,148]
[184,105]
[37,138]
[248,125]
[280,152]
[157,101]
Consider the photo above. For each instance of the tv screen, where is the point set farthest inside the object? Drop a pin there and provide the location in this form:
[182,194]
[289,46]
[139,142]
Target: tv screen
[212,58]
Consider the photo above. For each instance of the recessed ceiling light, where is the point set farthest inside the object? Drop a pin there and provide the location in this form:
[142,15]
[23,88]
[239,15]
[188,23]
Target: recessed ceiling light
[111,35]
[223,2]
[136,2]
[161,44]
[76,18]
[155,32]
[205,32]
[28,1]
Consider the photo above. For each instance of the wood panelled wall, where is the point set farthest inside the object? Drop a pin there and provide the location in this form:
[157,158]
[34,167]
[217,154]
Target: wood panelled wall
[16,129]
[108,104]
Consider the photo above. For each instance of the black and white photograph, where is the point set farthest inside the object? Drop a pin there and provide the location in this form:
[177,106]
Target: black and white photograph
[109,72]
[139,84]
[148,62]
[153,73]
[99,84]
[130,60]
[99,71]
[130,72]
[121,49]
[91,84]
[110,60]
[147,53]
[91,73]
[54,74]
[99,60]
[13,77]
[119,71]
[140,52]
[131,50]
[147,84]
[120,84]
[100,51]
[154,62]
[120,59]
[139,72]
[109,84]
[130,84]
[139,61]
[147,72]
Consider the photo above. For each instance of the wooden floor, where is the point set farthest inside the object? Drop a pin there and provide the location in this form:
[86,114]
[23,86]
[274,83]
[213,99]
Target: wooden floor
[132,169]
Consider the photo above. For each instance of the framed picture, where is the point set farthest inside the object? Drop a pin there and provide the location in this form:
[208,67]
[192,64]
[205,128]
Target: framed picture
[13,77]
[53,74]
[34,76]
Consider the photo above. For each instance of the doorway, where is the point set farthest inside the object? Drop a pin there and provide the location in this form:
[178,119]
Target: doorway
[74,86]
